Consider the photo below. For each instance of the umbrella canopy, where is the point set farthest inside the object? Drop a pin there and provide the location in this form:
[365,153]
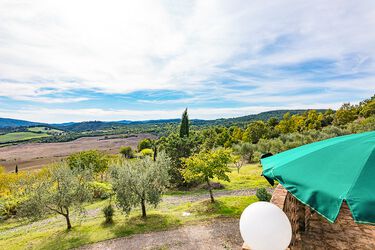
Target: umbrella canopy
[324,174]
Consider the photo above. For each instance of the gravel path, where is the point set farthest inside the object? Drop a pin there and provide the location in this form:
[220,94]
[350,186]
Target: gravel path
[212,235]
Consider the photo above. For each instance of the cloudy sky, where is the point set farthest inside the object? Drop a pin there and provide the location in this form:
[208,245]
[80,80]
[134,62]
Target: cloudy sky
[76,60]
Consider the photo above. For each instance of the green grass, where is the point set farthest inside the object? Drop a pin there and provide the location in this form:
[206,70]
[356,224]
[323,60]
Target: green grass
[249,177]
[53,235]
[20,136]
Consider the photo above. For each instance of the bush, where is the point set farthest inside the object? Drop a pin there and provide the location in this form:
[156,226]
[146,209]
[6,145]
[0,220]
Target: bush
[145,143]
[127,152]
[147,152]
[9,207]
[100,190]
[263,195]
[108,213]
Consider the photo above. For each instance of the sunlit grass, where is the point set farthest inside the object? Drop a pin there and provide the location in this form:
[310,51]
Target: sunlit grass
[52,235]
[248,177]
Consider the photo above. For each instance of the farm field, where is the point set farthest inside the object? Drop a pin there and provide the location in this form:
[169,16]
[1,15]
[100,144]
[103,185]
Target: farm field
[20,136]
[37,155]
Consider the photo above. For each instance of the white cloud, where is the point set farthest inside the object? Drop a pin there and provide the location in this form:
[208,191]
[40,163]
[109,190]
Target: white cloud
[118,46]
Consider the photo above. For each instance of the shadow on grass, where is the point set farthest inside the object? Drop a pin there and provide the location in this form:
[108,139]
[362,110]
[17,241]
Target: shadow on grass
[64,239]
[137,225]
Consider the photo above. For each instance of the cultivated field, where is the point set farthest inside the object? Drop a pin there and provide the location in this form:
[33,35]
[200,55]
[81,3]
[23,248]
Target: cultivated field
[37,155]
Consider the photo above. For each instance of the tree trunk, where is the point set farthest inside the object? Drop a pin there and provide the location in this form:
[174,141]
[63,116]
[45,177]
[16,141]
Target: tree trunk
[143,208]
[155,152]
[68,224]
[210,189]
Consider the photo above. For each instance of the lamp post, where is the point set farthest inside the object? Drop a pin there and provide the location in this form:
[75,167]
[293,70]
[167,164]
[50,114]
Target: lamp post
[264,226]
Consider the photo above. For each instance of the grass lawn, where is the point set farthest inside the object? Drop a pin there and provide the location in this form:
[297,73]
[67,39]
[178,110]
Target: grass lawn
[249,177]
[20,136]
[52,235]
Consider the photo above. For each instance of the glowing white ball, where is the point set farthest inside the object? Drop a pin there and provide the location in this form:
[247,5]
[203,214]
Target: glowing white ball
[264,226]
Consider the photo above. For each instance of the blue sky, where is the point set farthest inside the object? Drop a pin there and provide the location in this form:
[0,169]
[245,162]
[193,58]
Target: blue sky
[82,60]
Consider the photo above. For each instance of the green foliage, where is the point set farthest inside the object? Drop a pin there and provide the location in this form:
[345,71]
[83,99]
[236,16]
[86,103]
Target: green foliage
[263,195]
[367,107]
[91,159]
[140,181]
[177,149]
[255,131]
[346,114]
[184,126]
[63,189]
[207,165]
[145,143]
[108,212]
[127,152]
[100,190]
[147,152]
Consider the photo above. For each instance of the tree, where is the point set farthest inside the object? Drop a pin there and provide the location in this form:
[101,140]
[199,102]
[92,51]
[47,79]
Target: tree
[139,182]
[127,152]
[91,159]
[367,107]
[255,131]
[184,127]
[16,171]
[207,165]
[63,189]
[345,114]
[143,144]
[243,152]
[313,120]
[178,148]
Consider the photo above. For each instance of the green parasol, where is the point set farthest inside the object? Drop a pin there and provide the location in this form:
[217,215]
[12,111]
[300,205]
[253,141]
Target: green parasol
[324,174]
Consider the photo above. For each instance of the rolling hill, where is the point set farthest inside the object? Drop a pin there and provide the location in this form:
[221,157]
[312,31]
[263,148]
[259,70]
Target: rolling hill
[101,125]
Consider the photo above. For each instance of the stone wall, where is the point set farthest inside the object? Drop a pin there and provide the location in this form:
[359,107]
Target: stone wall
[312,231]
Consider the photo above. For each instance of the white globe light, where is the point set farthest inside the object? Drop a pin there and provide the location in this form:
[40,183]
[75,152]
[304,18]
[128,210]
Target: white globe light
[264,226]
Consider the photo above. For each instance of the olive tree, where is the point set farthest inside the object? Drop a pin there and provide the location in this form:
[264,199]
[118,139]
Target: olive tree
[207,165]
[141,181]
[60,191]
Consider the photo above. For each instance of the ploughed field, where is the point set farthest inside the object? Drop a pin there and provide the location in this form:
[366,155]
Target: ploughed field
[37,155]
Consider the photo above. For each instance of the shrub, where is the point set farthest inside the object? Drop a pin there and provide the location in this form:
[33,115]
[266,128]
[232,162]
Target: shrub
[147,152]
[100,190]
[263,195]
[127,152]
[145,143]
[108,213]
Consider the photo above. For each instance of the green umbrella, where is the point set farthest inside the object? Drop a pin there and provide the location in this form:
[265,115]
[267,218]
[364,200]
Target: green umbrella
[324,174]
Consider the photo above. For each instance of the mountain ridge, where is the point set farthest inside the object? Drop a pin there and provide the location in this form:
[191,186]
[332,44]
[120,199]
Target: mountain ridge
[96,125]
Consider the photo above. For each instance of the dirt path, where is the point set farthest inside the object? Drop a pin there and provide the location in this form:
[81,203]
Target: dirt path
[214,234]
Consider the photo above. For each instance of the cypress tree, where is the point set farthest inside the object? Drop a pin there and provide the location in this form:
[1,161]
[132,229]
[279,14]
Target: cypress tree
[184,127]
[16,169]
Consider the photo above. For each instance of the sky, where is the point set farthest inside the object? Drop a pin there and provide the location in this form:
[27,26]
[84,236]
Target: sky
[80,60]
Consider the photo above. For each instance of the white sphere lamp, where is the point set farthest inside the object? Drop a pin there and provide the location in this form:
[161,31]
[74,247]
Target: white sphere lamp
[264,226]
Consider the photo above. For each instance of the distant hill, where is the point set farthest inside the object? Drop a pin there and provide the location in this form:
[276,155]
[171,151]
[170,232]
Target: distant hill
[101,125]
[12,123]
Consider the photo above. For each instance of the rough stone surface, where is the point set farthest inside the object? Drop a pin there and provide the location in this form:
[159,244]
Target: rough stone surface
[312,231]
